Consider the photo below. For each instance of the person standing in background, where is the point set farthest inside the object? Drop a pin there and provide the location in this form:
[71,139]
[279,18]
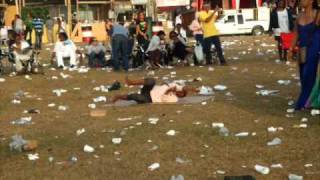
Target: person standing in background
[196,30]
[28,30]
[142,27]
[281,21]
[208,18]
[18,25]
[38,28]
[50,25]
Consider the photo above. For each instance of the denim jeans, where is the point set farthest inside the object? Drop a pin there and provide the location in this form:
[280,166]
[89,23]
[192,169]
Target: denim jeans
[120,50]
[208,41]
[97,59]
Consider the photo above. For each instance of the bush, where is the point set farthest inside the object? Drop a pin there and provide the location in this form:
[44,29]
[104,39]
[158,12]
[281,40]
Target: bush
[35,12]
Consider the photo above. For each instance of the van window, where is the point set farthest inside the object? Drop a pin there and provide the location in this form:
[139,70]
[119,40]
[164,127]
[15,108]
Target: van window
[240,19]
[230,19]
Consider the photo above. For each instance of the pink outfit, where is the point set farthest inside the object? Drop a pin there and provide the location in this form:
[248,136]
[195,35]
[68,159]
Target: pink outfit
[194,27]
[158,93]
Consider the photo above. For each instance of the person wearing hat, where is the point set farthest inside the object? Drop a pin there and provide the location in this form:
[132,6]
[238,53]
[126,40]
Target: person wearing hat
[208,18]
[96,54]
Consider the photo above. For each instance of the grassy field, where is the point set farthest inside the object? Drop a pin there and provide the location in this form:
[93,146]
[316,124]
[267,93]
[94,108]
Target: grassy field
[204,151]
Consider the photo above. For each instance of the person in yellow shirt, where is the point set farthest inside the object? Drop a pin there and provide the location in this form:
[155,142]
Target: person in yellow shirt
[208,18]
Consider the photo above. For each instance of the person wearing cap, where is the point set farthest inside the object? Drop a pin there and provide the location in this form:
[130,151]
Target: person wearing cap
[96,54]
[156,49]
[208,18]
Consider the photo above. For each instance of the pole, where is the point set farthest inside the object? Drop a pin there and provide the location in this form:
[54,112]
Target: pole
[69,17]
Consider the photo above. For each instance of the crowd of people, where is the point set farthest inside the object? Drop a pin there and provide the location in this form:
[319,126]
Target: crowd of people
[296,36]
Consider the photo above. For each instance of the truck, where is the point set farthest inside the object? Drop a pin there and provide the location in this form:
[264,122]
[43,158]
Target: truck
[243,22]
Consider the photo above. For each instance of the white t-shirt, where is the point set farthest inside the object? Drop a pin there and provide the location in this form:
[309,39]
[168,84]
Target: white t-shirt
[24,45]
[283,21]
[158,93]
[154,43]
[64,46]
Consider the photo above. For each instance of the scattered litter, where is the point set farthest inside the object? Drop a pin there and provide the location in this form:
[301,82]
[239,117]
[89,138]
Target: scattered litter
[23,121]
[100,99]
[116,140]
[32,111]
[51,105]
[19,144]
[210,69]
[267,92]
[304,119]
[50,159]
[262,169]
[275,166]
[59,92]
[154,166]
[291,102]
[80,131]
[300,126]
[220,172]
[295,177]
[259,86]
[28,77]
[16,101]
[92,106]
[179,177]
[274,142]
[308,165]
[290,110]
[153,120]
[217,125]
[129,118]
[315,112]
[33,157]
[242,134]
[220,87]
[223,131]
[171,133]
[62,108]
[2,80]
[88,149]
[274,129]
[205,90]
[182,161]
[284,82]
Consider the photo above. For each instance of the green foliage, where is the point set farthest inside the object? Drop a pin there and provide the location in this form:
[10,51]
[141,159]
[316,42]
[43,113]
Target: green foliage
[35,12]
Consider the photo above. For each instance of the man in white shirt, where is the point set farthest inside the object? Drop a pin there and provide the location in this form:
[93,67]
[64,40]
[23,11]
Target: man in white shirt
[63,49]
[152,93]
[22,53]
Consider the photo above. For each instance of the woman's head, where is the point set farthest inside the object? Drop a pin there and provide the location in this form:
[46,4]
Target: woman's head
[63,36]
[141,16]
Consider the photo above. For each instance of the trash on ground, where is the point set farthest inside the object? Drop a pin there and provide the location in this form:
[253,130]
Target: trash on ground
[154,166]
[295,177]
[242,134]
[88,149]
[275,166]
[220,87]
[33,157]
[100,99]
[223,131]
[32,111]
[179,177]
[267,92]
[182,161]
[171,133]
[262,169]
[98,113]
[153,120]
[116,140]
[62,108]
[284,82]
[92,106]
[217,125]
[205,90]
[80,131]
[274,142]
[2,80]
[23,121]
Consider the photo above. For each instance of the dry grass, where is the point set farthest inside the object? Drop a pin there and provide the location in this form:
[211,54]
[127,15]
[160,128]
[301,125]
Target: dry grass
[55,130]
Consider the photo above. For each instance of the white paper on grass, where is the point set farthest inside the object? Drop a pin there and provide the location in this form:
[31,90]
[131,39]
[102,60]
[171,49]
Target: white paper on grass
[262,169]
[116,140]
[88,149]
[154,166]
[220,87]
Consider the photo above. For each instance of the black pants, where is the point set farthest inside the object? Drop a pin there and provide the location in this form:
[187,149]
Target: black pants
[97,59]
[283,54]
[144,96]
[208,41]
[38,39]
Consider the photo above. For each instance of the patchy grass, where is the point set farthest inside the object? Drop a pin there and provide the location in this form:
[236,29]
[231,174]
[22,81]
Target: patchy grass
[245,111]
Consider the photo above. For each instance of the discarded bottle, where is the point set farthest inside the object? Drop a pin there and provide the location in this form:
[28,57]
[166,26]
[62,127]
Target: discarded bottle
[223,131]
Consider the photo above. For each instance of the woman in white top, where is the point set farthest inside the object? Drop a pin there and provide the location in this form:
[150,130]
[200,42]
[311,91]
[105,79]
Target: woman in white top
[63,49]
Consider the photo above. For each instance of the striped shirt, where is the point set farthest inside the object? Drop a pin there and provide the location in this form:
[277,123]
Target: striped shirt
[37,24]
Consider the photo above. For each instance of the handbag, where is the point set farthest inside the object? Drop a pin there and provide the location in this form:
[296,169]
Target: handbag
[302,55]
[199,53]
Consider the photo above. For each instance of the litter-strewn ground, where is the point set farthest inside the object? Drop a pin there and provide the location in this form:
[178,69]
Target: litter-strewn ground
[126,142]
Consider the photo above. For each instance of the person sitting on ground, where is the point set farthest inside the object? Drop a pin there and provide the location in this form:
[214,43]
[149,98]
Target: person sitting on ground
[155,49]
[65,48]
[22,53]
[180,50]
[96,53]
[152,93]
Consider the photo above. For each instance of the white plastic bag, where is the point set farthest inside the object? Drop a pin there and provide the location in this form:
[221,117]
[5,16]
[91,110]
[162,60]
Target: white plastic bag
[199,52]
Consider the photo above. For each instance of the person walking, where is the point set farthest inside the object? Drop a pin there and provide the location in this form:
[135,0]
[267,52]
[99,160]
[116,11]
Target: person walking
[208,18]
[50,25]
[281,23]
[38,28]
[119,45]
